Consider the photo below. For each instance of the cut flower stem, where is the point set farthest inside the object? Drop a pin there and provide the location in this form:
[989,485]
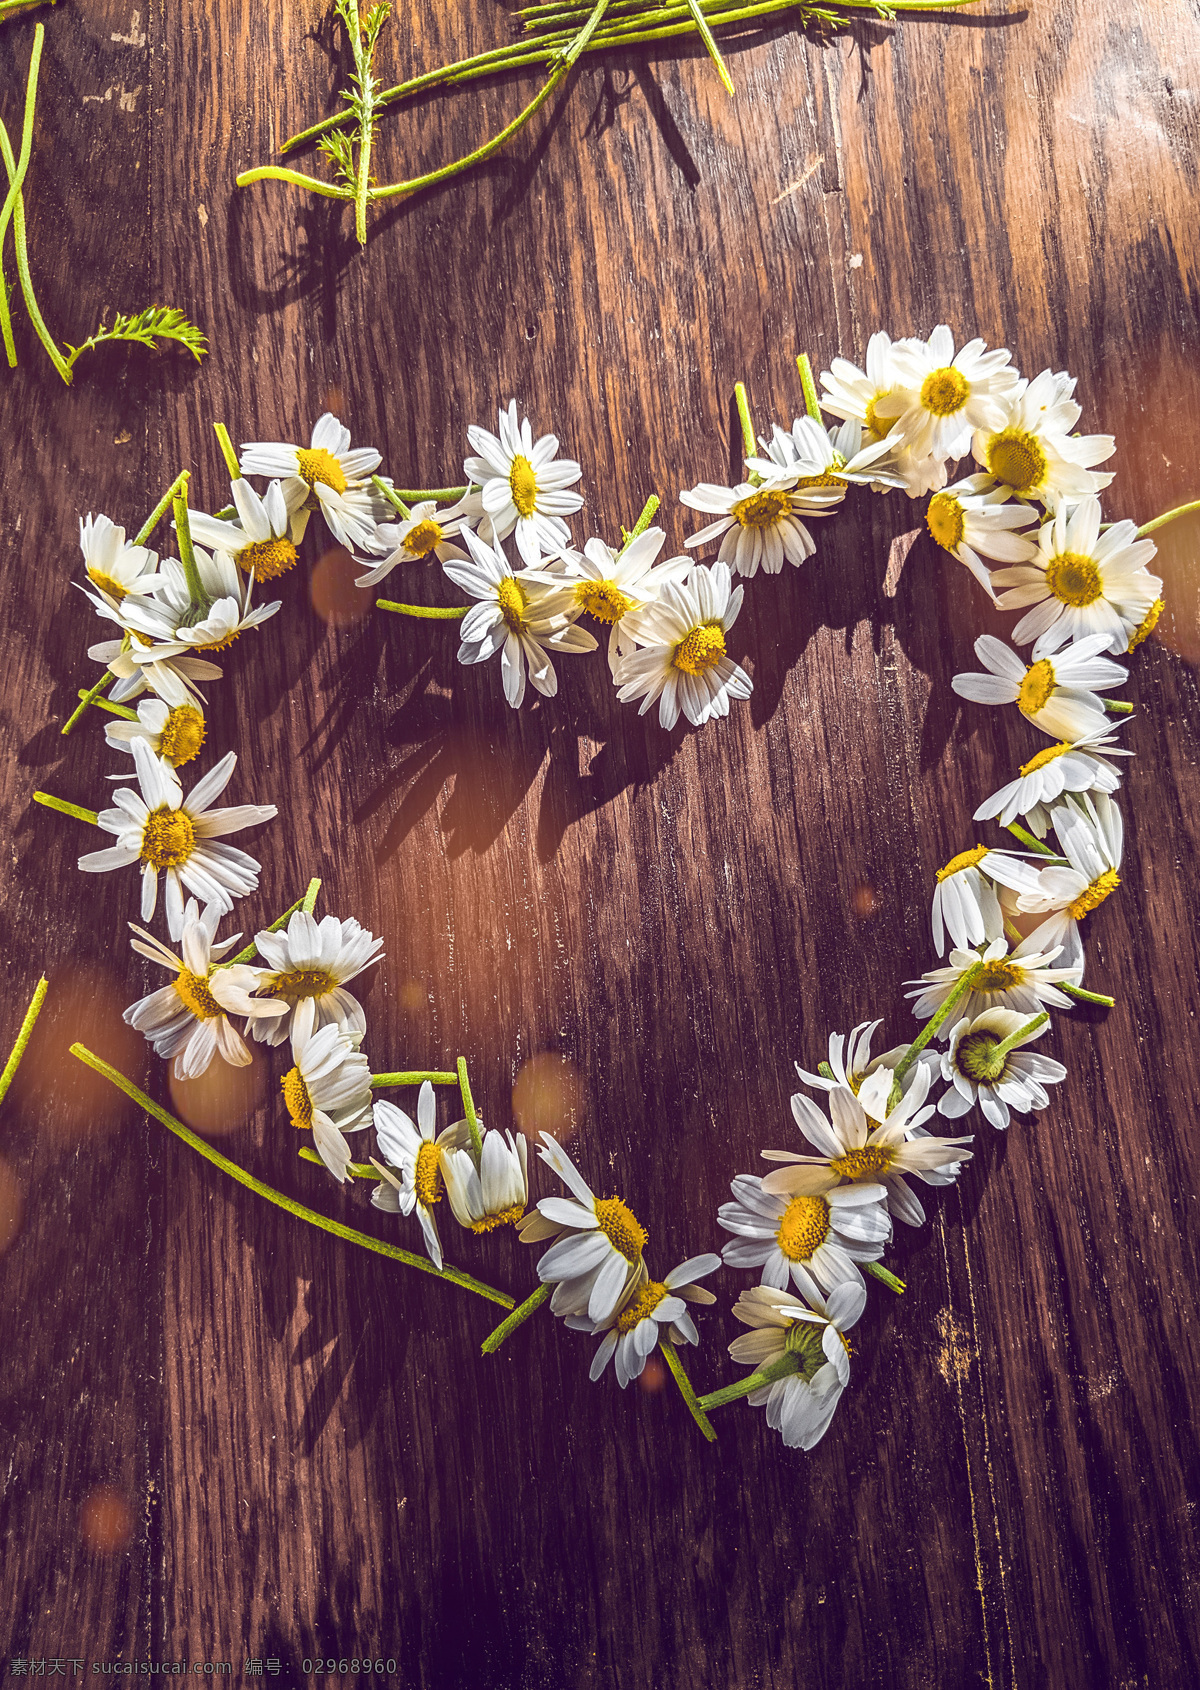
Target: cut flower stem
[76,810]
[23,1037]
[517,1318]
[695,1407]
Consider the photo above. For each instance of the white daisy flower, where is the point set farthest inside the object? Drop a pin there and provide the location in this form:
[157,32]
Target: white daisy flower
[597,1257]
[175,733]
[1091,833]
[326,476]
[114,567]
[328,1090]
[1057,694]
[611,584]
[173,680]
[170,625]
[522,485]
[851,1063]
[815,1240]
[760,523]
[1079,767]
[972,527]
[941,397]
[260,541]
[495,1193]
[419,1155]
[517,616]
[799,1404]
[309,963]
[872,397]
[1032,453]
[986,1064]
[188,1019]
[1022,981]
[683,662]
[161,830]
[1081,581]
[964,898]
[855,1146]
[817,462]
[426,533]
[657,1312]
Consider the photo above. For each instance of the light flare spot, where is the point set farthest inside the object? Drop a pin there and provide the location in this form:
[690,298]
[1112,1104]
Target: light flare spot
[945,521]
[803,1228]
[522,484]
[762,509]
[267,558]
[964,859]
[167,838]
[195,995]
[182,734]
[1094,895]
[642,1306]
[702,650]
[944,392]
[1016,458]
[621,1227]
[315,464]
[1075,579]
[1036,688]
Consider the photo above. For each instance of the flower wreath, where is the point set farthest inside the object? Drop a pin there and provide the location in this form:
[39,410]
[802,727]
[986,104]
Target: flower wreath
[1027,521]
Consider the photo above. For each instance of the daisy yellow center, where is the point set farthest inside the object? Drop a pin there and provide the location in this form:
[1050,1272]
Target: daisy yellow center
[944,392]
[762,510]
[296,1098]
[998,977]
[1075,579]
[422,539]
[106,584]
[1017,459]
[803,1340]
[702,650]
[803,1228]
[510,596]
[882,426]
[314,464]
[222,644]
[182,734]
[298,984]
[604,600]
[964,859]
[1034,692]
[1091,896]
[1049,755]
[267,558]
[1148,624]
[867,1160]
[522,484]
[193,989]
[427,1175]
[621,1227]
[945,521]
[827,478]
[167,838]
[977,1059]
[642,1306]
[502,1217]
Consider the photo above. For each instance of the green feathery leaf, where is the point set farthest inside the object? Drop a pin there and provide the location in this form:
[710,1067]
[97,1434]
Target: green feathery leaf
[156,323]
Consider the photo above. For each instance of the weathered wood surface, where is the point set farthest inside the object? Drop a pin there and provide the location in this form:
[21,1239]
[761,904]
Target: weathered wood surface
[310,1456]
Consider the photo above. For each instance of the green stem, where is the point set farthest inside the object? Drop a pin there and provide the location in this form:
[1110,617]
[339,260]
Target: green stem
[441,495]
[957,992]
[1027,838]
[464,1086]
[161,508]
[187,555]
[752,1382]
[643,522]
[749,443]
[1117,706]
[1022,1033]
[517,1318]
[435,1076]
[1167,516]
[357,1170]
[278,173]
[27,1026]
[365,107]
[106,704]
[309,903]
[314,886]
[811,403]
[671,1356]
[227,452]
[878,1271]
[235,1171]
[75,810]
[428,612]
[714,52]
[89,697]
[1080,996]
[390,494]
[16,196]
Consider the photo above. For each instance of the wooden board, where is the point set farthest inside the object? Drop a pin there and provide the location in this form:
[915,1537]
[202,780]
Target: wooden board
[230,1437]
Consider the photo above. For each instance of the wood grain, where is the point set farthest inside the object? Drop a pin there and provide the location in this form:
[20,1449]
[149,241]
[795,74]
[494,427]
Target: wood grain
[312,1458]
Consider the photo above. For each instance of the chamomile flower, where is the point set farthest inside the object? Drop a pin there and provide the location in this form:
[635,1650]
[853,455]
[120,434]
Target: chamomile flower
[522,485]
[986,1064]
[416,1156]
[260,541]
[851,1063]
[309,963]
[942,397]
[811,1336]
[324,475]
[1081,582]
[683,662]
[495,1193]
[170,625]
[597,1254]
[817,462]
[521,618]
[113,566]
[425,533]
[972,527]
[1032,453]
[759,524]
[173,680]
[1079,767]
[328,1091]
[189,1019]
[964,898]
[159,829]
[855,1146]
[1021,980]
[175,733]
[1057,694]
[872,398]
[657,1312]
[610,585]
[815,1240]
[1091,833]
